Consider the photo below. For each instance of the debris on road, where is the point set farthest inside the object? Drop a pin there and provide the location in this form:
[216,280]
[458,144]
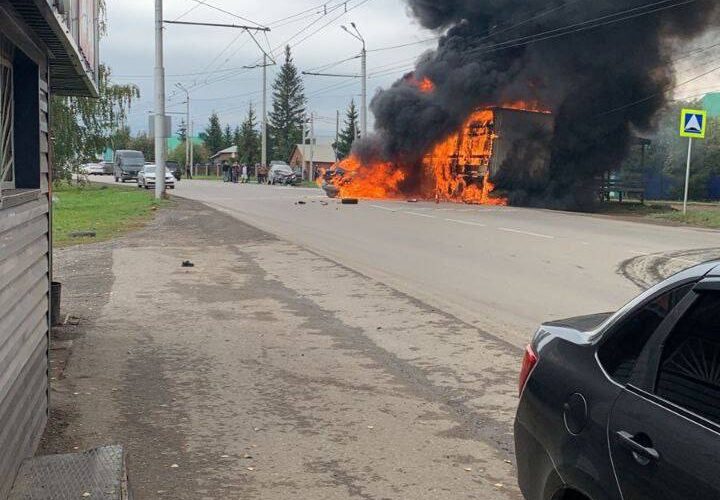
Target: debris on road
[188,263]
[412,200]
[350,201]
[301,203]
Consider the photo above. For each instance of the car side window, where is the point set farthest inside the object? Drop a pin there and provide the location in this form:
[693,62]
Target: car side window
[620,352]
[689,373]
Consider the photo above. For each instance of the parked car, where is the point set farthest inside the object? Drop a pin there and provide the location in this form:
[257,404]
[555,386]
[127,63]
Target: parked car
[108,167]
[174,168]
[93,169]
[128,164]
[626,405]
[282,173]
[146,178]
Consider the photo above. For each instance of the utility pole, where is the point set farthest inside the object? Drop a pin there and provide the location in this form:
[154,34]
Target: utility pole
[188,157]
[337,134]
[192,150]
[264,152]
[311,177]
[160,133]
[363,74]
[249,30]
[363,119]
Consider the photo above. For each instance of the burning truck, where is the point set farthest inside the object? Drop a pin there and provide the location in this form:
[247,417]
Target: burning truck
[459,168]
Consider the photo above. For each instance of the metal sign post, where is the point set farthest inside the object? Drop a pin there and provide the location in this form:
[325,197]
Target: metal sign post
[693,125]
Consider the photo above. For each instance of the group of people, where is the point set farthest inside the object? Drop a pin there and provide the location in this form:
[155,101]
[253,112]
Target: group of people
[240,173]
[235,173]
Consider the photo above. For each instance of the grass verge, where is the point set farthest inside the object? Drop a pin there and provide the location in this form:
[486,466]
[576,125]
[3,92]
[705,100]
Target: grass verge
[706,215]
[109,211]
[696,216]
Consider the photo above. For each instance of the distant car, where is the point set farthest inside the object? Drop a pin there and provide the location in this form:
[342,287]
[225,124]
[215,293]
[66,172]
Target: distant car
[128,164]
[626,405]
[108,167]
[282,173]
[146,178]
[93,169]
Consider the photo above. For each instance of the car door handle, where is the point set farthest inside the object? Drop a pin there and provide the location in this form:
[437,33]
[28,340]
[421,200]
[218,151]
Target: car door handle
[629,442]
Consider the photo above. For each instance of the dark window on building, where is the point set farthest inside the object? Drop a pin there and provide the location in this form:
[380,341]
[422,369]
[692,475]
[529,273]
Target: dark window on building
[7,118]
[27,122]
[690,365]
[620,352]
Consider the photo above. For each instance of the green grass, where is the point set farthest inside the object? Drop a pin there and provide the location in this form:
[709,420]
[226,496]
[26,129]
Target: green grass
[696,216]
[110,211]
[705,215]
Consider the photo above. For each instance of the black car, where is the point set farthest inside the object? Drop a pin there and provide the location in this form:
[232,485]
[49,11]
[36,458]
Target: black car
[626,405]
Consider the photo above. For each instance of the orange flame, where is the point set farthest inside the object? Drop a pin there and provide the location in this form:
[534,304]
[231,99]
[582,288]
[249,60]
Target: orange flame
[456,169]
[426,85]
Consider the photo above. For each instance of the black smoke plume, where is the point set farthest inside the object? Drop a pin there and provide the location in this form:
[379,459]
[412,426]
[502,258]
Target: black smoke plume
[586,60]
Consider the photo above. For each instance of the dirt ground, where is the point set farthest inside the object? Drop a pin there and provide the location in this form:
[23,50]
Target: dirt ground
[269,372]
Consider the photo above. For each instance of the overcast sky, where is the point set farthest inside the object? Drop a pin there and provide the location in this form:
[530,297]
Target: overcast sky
[218,54]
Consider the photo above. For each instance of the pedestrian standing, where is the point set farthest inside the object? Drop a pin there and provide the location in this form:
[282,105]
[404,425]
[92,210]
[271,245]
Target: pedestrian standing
[234,171]
[226,171]
[244,174]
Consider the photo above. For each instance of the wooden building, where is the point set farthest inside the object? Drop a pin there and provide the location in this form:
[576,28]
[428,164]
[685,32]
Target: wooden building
[46,47]
[313,159]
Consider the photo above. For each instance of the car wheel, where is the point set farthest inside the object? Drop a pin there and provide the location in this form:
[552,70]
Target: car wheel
[116,179]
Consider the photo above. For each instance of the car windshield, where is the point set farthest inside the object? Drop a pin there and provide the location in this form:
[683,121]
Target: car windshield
[284,169]
[149,170]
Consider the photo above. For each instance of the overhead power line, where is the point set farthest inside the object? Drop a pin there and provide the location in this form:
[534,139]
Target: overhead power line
[219,9]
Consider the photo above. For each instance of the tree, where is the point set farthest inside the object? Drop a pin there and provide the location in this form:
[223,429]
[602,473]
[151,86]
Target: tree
[120,139]
[145,144]
[182,131]
[227,137]
[349,132]
[82,127]
[288,109]
[213,135]
[236,135]
[249,139]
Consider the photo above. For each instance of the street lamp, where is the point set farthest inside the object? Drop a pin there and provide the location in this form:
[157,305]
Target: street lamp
[363,106]
[188,132]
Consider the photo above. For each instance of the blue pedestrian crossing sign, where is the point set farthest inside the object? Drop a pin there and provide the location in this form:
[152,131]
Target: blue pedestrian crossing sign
[693,123]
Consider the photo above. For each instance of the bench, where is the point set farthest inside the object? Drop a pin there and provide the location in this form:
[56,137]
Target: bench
[626,186]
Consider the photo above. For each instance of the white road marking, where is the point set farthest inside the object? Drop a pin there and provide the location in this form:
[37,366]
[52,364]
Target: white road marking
[384,208]
[466,222]
[526,233]
[420,215]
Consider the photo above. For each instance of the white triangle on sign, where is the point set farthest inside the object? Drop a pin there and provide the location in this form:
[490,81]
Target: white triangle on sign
[693,124]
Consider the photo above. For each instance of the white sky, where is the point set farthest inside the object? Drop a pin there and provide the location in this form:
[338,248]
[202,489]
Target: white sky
[129,51]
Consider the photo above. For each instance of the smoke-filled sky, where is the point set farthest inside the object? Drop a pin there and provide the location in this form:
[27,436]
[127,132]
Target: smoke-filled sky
[128,49]
[603,67]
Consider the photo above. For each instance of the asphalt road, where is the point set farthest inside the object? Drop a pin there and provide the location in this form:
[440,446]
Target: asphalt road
[368,351]
[501,269]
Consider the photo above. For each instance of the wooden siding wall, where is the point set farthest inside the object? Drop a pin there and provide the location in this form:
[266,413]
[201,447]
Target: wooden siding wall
[25,264]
